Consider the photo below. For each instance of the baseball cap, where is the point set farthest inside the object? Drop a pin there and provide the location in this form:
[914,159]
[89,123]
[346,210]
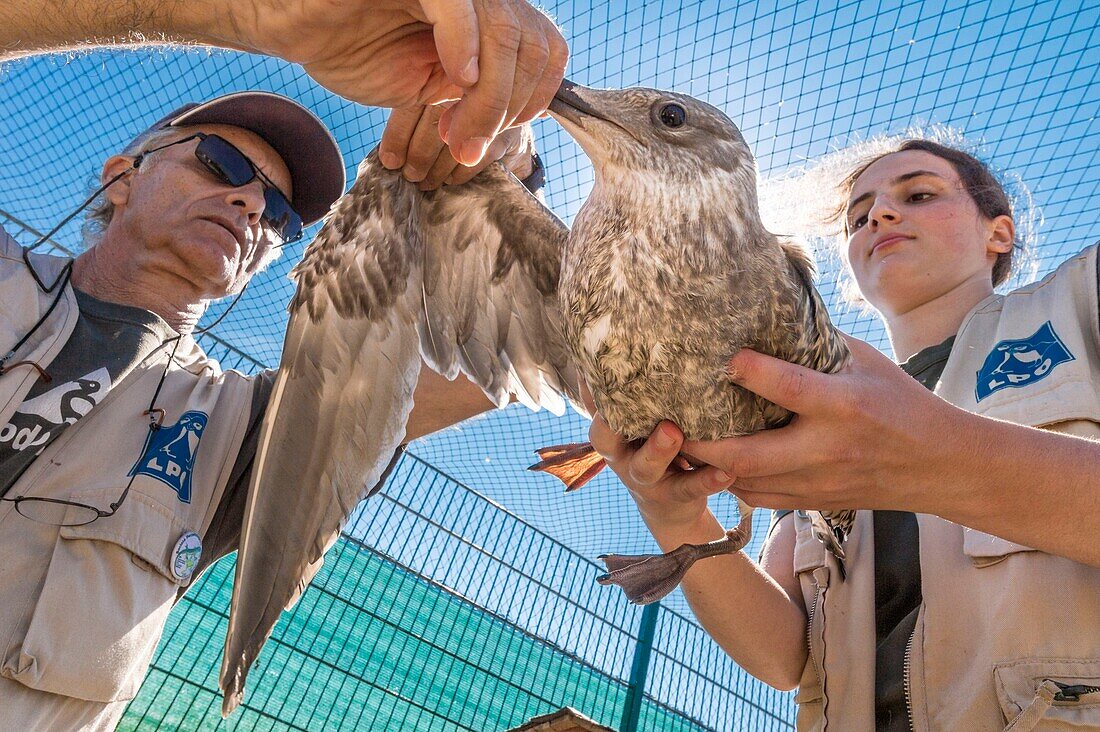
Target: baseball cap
[297,134]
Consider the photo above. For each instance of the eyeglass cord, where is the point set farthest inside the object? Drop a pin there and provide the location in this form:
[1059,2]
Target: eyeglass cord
[156,415]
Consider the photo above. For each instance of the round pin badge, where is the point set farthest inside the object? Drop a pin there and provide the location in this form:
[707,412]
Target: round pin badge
[185,557]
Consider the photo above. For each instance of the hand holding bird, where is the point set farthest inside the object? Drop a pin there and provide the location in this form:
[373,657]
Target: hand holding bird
[857,430]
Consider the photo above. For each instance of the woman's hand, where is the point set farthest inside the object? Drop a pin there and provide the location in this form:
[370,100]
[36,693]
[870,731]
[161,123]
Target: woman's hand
[754,612]
[865,437]
[671,497]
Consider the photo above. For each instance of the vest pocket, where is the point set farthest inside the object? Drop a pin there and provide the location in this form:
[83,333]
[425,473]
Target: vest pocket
[809,552]
[1051,695]
[107,594]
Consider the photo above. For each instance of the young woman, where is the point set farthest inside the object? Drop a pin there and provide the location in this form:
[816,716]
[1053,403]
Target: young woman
[973,580]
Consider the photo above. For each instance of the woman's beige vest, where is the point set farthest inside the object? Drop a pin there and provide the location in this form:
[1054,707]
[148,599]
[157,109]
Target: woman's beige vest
[999,622]
[82,608]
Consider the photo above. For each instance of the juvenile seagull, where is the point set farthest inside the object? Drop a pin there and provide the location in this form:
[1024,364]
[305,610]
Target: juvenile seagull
[666,274]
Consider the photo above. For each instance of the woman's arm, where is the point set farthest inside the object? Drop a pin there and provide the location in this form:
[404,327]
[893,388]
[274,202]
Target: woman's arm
[753,611]
[871,437]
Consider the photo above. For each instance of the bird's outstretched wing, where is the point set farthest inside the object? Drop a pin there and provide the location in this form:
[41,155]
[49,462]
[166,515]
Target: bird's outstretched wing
[465,277]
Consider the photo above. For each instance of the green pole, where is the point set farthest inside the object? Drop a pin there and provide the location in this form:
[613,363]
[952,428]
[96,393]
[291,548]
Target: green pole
[635,690]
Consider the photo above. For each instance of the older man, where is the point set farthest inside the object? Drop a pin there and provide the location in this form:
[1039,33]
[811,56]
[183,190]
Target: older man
[124,450]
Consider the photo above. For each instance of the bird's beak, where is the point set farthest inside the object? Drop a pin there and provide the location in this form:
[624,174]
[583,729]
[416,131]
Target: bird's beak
[578,107]
[571,105]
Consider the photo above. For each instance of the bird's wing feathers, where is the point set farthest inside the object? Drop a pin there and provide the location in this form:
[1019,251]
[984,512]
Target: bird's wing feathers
[465,277]
[336,414]
[492,256]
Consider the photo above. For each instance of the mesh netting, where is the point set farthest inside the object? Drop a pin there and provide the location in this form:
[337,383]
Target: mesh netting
[442,610]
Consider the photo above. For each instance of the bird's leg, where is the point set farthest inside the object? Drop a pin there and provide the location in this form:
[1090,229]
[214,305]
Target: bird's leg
[647,578]
[574,464]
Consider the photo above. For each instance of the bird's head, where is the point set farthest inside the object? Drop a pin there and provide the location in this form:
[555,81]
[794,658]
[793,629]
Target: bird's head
[672,151]
[652,132]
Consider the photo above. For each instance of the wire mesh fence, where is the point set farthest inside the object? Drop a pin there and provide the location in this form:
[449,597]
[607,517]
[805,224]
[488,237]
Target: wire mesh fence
[497,623]
[462,598]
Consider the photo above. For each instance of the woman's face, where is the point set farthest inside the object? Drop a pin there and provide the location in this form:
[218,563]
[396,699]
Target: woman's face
[915,234]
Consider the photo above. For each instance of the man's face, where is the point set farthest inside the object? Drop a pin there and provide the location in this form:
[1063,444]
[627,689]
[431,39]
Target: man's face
[187,225]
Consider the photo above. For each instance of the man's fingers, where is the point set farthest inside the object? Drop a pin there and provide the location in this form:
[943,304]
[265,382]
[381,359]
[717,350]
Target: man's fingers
[424,147]
[460,174]
[795,387]
[552,74]
[457,38]
[480,115]
[521,59]
[443,169]
[531,60]
[394,146]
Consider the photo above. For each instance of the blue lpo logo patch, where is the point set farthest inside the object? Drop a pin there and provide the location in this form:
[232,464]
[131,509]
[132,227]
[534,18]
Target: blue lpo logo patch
[1021,362]
[169,453]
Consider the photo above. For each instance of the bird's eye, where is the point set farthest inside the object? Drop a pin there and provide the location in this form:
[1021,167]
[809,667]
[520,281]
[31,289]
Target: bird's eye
[672,115]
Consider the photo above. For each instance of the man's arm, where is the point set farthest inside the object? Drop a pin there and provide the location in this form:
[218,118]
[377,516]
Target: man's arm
[502,59]
[870,437]
[438,403]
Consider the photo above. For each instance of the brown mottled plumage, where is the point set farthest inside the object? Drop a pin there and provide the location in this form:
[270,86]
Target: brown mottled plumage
[667,272]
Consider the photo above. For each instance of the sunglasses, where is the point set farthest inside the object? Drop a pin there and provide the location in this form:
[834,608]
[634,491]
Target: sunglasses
[231,166]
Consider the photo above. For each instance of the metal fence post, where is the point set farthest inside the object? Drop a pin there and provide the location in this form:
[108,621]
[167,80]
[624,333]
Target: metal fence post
[635,690]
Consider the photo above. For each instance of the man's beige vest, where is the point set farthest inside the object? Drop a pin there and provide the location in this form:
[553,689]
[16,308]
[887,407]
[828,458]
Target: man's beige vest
[998,620]
[82,608]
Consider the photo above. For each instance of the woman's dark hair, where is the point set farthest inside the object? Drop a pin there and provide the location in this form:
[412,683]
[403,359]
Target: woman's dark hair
[984,189]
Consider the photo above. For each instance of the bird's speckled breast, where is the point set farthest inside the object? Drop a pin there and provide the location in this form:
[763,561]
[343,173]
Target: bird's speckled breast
[653,327]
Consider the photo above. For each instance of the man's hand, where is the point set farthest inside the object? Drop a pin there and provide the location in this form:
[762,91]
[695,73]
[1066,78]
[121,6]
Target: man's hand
[411,141]
[502,59]
[865,437]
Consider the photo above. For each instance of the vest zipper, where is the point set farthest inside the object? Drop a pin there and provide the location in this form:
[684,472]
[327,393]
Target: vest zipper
[906,670]
[821,581]
[1072,692]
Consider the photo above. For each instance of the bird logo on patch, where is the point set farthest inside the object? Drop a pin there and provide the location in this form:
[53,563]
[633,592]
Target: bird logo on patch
[169,453]
[1023,361]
